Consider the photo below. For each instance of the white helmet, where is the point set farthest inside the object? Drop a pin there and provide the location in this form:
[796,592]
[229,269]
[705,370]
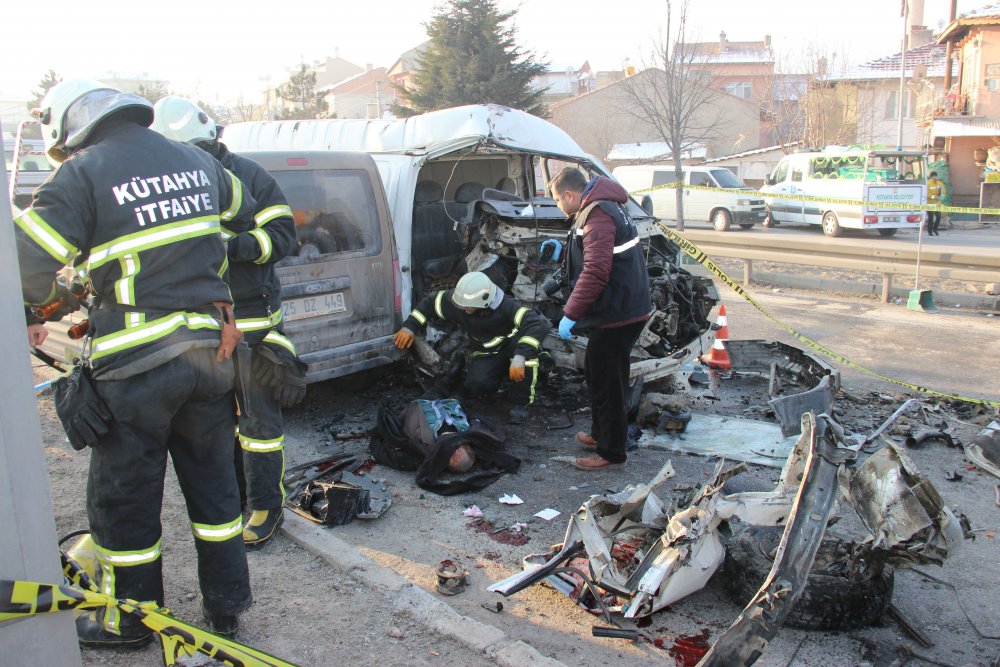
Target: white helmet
[474,290]
[180,119]
[72,109]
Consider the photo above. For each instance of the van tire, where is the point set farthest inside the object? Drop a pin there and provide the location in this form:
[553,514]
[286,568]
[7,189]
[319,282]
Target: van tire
[887,232]
[835,599]
[831,226]
[746,225]
[721,219]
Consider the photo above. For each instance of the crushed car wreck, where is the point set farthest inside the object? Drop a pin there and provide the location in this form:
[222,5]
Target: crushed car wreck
[631,553]
[466,189]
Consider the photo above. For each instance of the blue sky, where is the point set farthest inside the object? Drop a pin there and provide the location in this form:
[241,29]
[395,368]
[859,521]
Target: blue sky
[219,51]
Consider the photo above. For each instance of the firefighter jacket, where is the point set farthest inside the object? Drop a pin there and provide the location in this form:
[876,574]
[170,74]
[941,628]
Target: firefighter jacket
[604,262]
[489,328]
[253,254]
[141,217]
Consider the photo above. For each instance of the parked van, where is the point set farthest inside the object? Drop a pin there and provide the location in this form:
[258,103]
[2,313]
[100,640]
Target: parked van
[26,163]
[897,178]
[456,193]
[722,209]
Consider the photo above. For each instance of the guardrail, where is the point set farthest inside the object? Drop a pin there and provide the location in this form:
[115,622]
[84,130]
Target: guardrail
[956,264]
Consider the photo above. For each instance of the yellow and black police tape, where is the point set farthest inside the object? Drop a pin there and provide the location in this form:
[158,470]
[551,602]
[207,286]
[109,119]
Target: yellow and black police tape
[699,256]
[20,599]
[758,194]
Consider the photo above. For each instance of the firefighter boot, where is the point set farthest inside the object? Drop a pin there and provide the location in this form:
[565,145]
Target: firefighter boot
[91,633]
[262,526]
[224,625]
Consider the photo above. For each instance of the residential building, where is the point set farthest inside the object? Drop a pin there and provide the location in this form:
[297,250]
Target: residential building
[369,95]
[328,73]
[742,69]
[400,73]
[963,115]
[601,119]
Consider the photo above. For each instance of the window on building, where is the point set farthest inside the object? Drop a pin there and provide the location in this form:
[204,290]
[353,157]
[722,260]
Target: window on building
[892,105]
[739,89]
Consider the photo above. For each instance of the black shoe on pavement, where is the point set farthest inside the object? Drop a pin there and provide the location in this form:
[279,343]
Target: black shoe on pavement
[261,526]
[92,634]
[224,625]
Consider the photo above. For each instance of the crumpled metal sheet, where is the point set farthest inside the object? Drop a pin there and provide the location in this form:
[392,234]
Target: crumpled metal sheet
[902,510]
[984,450]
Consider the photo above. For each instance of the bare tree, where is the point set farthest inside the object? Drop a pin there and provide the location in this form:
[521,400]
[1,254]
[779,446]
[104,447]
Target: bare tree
[673,94]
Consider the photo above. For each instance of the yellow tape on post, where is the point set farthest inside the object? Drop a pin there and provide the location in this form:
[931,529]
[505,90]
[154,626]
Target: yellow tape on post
[20,599]
[699,256]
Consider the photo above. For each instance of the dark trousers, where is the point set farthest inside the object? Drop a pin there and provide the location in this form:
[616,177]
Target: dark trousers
[488,370]
[606,366]
[262,444]
[933,221]
[184,408]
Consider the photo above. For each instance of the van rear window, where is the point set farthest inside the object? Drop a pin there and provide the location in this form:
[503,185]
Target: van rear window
[334,211]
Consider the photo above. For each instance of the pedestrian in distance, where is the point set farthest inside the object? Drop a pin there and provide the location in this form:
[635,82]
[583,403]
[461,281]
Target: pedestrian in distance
[609,300]
[276,378]
[506,337]
[935,191]
[144,215]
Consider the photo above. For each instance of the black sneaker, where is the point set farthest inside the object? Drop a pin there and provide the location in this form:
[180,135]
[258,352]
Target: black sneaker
[224,625]
[92,634]
[261,526]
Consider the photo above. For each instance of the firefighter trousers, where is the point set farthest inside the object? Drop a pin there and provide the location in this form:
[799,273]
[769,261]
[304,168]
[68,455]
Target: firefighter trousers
[262,444]
[182,408]
[488,370]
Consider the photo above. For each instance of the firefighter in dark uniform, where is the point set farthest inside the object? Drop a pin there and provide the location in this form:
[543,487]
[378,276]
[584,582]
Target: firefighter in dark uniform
[257,300]
[144,216]
[506,336]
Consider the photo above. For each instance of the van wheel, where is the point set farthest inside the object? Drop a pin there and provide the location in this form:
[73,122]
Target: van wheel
[887,232]
[769,220]
[721,219]
[831,226]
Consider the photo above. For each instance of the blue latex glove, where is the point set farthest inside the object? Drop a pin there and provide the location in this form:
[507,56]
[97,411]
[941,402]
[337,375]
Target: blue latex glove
[556,244]
[565,327]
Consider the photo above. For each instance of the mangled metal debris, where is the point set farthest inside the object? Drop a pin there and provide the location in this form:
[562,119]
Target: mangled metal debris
[984,450]
[633,554]
[335,491]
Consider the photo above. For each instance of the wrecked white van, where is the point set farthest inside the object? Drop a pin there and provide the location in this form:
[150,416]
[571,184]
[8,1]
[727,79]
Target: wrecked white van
[466,189]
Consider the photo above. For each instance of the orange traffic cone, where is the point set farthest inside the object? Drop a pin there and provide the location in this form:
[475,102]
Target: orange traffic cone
[717,357]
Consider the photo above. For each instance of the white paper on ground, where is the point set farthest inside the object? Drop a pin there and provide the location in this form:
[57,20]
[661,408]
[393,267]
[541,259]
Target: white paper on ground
[510,499]
[548,514]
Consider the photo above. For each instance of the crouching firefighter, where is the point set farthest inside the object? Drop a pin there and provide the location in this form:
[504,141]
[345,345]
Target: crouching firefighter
[506,337]
[145,214]
[269,375]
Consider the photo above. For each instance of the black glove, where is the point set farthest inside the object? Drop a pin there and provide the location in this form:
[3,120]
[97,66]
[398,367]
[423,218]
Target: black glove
[282,371]
[84,415]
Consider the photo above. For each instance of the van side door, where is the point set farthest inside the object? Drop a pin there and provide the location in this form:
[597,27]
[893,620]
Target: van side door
[698,203]
[664,199]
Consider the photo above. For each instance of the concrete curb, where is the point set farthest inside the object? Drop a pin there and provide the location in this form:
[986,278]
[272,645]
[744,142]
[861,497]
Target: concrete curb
[424,608]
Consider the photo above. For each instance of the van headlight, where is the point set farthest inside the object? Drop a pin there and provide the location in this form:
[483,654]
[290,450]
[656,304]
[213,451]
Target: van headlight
[742,202]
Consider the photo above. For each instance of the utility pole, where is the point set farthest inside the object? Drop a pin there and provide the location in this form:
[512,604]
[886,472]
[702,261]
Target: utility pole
[28,550]
[902,76]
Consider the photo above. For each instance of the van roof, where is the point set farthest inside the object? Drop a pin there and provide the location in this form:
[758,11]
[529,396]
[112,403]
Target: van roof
[446,129]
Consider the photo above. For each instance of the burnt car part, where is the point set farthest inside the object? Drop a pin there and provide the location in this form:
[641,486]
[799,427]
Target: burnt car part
[643,555]
[501,234]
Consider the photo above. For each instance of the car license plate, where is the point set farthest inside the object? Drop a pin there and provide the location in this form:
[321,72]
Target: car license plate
[891,218]
[313,306]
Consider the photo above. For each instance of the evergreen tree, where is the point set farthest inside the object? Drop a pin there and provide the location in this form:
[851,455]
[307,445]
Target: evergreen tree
[301,92]
[48,80]
[472,58]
